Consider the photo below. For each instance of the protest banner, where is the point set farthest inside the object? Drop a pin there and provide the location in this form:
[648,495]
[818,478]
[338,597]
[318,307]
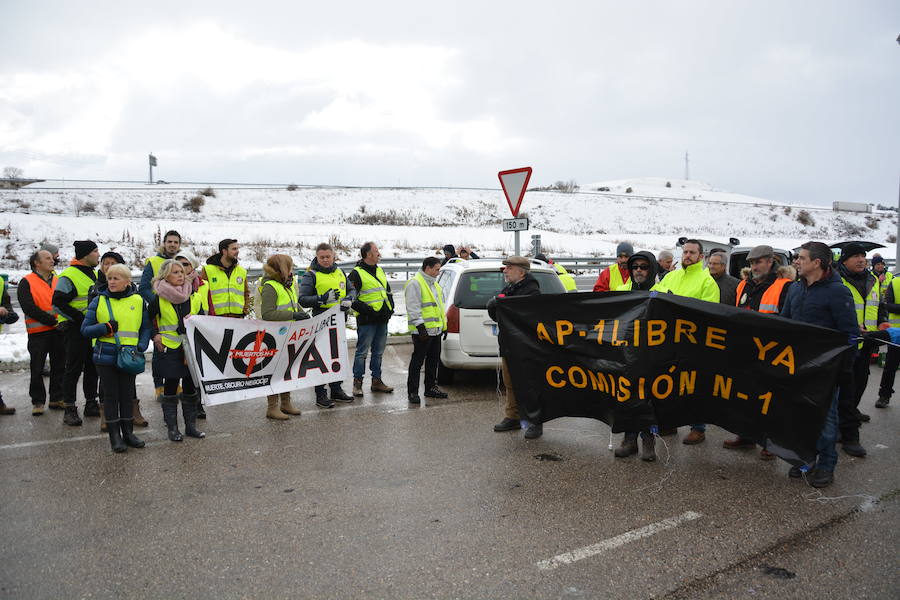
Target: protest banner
[639,359]
[235,359]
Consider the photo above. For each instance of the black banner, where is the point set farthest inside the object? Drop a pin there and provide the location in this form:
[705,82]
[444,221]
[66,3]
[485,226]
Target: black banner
[638,359]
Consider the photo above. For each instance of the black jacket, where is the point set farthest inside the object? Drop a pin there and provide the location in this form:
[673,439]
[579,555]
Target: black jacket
[527,286]
[62,298]
[727,288]
[308,296]
[366,315]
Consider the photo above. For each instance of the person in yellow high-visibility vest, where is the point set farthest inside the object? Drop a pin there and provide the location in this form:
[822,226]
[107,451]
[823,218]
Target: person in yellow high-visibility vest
[564,276]
[613,276]
[171,244]
[70,298]
[427,319]
[373,307]
[892,361]
[322,286]
[228,289]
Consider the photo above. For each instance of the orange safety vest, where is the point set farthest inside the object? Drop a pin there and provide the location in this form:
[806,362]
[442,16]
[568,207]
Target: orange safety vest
[770,298]
[42,294]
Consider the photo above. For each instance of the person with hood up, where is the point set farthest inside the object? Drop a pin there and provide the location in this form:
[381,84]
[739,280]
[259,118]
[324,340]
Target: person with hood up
[278,302]
[322,286]
[117,317]
[172,305]
[613,276]
[228,287]
[643,269]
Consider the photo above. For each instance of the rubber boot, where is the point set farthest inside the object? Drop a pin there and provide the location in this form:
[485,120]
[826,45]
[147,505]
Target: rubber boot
[139,419]
[128,434]
[115,437]
[628,447]
[189,403]
[286,406]
[648,448]
[273,412]
[201,414]
[71,416]
[170,416]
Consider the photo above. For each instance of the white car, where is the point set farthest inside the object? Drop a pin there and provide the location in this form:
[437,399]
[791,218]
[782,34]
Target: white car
[471,340]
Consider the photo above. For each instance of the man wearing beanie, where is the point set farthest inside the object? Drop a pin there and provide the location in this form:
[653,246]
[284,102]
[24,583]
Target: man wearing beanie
[866,292]
[229,293]
[615,275]
[70,299]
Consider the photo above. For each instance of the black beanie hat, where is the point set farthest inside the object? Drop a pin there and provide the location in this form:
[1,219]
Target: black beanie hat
[114,255]
[851,249]
[83,248]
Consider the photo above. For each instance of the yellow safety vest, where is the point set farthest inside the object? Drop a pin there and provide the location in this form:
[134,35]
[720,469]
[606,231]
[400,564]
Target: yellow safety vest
[156,262]
[286,297]
[336,280]
[167,323]
[866,309]
[615,277]
[129,313]
[374,289]
[2,287]
[203,293]
[82,285]
[432,307]
[227,292]
[888,278]
[568,281]
[894,318]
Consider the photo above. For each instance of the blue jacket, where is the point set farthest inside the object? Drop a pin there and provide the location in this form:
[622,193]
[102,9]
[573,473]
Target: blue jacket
[826,302]
[146,286]
[105,352]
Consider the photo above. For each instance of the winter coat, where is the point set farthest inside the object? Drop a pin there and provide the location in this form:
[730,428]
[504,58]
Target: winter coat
[827,303]
[727,288]
[65,292]
[105,353]
[366,315]
[268,309]
[693,281]
[146,286]
[527,286]
[651,274]
[753,291]
[308,296]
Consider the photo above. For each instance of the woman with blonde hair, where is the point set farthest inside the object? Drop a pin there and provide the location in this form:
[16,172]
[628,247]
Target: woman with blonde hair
[173,303]
[118,318]
[279,302]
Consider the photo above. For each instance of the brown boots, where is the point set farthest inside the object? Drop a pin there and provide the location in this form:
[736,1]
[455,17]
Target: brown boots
[139,419]
[277,412]
[379,386]
[357,387]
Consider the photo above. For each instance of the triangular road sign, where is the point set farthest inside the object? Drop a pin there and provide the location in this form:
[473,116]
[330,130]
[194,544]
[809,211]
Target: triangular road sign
[514,183]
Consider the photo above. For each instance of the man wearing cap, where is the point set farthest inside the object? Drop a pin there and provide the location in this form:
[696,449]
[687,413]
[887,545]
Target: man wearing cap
[866,292]
[519,282]
[70,299]
[613,276]
[764,291]
[227,281]
[693,281]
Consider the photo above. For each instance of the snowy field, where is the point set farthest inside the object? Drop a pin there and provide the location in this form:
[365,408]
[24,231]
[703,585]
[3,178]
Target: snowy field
[129,218]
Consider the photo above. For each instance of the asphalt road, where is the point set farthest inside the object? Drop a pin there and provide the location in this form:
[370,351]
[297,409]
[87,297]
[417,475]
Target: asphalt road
[379,500]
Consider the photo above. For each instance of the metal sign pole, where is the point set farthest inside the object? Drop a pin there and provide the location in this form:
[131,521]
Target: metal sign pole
[517,242]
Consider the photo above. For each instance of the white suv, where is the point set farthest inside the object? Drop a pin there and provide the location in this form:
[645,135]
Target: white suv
[471,340]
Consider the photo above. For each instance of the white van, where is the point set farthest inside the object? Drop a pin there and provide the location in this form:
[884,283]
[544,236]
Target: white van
[471,340]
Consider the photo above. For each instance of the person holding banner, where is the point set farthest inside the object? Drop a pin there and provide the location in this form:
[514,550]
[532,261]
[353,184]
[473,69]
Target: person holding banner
[519,282]
[427,322]
[199,288]
[693,281]
[227,279]
[373,306]
[174,302]
[279,302]
[118,318]
[324,285]
[820,298]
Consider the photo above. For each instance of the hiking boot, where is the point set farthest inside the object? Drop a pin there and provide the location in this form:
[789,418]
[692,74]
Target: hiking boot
[534,431]
[339,395]
[882,402]
[286,406]
[139,419]
[854,449]
[273,412]
[71,417]
[648,448]
[738,443]
[694,437]
[37,410]
[58,405]
[357,387]
[435,393]
[821,478]
[413,398]
[379,386]
[628,447]
[507,424]
[322,400]
[863,417]
[91,408]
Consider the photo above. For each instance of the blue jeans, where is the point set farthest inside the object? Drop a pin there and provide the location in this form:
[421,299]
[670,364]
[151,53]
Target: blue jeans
[825,446]
[369,335]
[701,427]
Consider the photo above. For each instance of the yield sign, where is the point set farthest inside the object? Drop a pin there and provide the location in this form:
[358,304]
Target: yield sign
[514,183]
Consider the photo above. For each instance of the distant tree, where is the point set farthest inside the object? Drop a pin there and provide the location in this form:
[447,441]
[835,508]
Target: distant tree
[668,184]
[628,190]
[13,173]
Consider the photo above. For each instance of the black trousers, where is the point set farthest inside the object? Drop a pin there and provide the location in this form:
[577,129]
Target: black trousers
[428,352]
[40,346]
[78,361]
[170,385]
[118,393]
[851,389]
[891,362]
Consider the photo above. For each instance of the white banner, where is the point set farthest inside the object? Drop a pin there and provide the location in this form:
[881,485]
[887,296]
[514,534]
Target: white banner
[236,359]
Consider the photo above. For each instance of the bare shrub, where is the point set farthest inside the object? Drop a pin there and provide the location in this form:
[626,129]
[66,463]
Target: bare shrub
[787,210]
[872,222]
[208,192]
[566,187]
[628,190]
[77,206]
[805,219]
[293,187]
[846,229]
[337,244]
[89,207]
[892,239]
[194,203]
[109,208]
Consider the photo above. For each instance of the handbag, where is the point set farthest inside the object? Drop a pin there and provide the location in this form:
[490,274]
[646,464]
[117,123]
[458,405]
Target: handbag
[128,358]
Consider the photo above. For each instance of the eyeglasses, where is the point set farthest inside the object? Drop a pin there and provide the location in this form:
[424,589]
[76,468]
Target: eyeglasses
[641,267]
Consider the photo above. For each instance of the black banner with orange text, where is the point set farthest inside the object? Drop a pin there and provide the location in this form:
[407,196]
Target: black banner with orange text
[638,359]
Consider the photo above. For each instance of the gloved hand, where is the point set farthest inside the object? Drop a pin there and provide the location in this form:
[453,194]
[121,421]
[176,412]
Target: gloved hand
[328,297]
[11,317]
[63,326]
[345,304]
[422,333]
[112,326]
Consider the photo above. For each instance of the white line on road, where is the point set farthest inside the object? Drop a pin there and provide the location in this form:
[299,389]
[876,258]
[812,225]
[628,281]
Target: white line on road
[151,437]
[614,542]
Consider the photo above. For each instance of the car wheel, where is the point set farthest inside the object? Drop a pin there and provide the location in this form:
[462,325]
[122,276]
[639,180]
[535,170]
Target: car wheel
[445,375]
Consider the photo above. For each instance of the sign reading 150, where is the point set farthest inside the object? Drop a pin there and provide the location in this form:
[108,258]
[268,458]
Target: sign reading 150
[520,224]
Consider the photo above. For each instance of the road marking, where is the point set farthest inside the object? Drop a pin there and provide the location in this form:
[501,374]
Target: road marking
[614,542]
[151,437]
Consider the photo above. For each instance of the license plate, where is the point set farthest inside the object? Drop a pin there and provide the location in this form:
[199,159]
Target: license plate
[494,329]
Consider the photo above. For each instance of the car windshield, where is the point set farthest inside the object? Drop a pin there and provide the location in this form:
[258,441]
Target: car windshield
[476,288]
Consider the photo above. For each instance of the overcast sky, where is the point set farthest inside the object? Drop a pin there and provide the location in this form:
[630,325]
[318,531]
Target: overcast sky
[792,101]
